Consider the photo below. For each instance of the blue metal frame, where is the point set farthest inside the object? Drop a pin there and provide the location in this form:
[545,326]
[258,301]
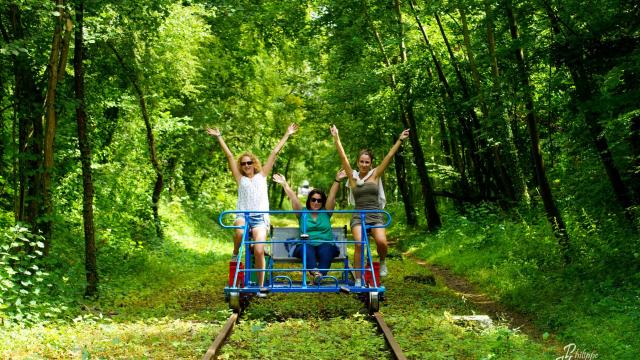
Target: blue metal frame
[284,284]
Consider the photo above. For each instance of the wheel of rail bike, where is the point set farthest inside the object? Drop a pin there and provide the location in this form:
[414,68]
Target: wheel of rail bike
[373,302]
[234,302]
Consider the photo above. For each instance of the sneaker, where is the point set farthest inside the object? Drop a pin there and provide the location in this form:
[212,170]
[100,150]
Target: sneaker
[383,269]
[358,283]
[317,278]
[262,292]
[234,258]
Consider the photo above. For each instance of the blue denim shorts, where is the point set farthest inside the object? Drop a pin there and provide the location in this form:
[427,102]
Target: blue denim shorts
[255,220]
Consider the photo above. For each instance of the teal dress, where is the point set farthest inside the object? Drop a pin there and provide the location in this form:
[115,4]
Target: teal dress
[321,247]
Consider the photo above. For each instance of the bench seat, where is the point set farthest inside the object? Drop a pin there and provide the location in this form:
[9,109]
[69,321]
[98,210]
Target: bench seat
[279,251]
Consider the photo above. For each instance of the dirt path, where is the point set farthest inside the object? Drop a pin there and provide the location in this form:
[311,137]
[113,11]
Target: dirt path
[490,307]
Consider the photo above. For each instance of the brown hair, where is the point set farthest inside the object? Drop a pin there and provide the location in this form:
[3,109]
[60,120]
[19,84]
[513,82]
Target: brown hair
[367,152]
[256,163]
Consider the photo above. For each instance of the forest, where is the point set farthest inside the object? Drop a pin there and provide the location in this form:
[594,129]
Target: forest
[520,175]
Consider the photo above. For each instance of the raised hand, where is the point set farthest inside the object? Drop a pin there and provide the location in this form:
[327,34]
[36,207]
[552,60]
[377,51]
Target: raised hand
[213,132]
[292,128]
[278,178]
[341,174]
[404,134]
[334,131]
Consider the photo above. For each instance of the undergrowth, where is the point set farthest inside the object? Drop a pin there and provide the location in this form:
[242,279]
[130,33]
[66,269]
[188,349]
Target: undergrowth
[513,256]
[166,301]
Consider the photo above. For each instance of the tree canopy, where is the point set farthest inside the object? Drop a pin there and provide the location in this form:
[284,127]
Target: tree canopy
[519,104]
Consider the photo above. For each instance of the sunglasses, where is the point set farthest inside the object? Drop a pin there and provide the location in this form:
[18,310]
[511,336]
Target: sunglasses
[316,200]
[244,163]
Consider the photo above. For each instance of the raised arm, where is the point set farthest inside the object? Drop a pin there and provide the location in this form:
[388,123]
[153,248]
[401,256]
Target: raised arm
[266,168]
[387,159]
[343,157]
[295,202]
[335,186]
[230,158]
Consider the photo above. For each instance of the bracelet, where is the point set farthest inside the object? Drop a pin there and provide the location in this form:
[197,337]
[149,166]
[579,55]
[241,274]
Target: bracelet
[338,181]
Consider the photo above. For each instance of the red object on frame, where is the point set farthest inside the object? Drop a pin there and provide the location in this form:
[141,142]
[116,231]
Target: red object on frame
[232,273]
[367,274]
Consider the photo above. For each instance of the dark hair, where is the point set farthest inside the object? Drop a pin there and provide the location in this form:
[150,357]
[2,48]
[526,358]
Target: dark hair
[323,196]
[367,152]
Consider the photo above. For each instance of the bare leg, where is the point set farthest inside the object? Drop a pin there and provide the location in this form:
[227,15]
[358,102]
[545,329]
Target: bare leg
[259,234]
[237,236]
[381,242]
[357,236]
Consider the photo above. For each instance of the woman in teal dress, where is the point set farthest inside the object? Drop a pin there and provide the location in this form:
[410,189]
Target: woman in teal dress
[321,247]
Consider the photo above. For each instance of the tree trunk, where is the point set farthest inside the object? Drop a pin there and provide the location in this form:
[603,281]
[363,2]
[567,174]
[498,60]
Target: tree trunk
[430,209]
[634,140]
[553,214]
[57,60]
[407,199]
[511,151]
[585,90]
[2,129]
[28,97]
[445,143]
[468,143]
[472,61]
[90,262]
[454,63]
[157,189]
[403,185]
[155,203]
[508,151]
[488,178]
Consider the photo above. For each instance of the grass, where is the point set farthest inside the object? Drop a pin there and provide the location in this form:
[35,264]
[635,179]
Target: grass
[168,303]
[517,262]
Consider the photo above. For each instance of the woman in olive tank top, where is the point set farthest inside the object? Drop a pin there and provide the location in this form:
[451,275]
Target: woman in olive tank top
[365,183]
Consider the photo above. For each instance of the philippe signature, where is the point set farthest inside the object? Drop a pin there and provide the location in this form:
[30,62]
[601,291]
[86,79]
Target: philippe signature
[572,352]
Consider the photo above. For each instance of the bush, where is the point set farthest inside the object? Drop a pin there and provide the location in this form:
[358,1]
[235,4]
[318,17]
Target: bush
[23,281]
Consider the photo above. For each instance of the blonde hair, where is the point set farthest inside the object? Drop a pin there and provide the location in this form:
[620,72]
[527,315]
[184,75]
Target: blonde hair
[256,163]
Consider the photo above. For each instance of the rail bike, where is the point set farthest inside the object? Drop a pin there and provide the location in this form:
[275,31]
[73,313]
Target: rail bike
[285,273]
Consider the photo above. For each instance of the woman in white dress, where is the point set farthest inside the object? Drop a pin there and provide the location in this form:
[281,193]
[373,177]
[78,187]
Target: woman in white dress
[252,195]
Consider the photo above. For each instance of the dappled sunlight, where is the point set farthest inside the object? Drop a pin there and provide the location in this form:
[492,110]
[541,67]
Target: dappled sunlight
[101,338]
[196,230]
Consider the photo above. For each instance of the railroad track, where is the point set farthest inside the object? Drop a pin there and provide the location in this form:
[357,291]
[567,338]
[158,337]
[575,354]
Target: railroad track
[214,349]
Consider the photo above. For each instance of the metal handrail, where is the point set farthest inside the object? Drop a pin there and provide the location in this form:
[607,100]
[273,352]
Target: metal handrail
[363,240]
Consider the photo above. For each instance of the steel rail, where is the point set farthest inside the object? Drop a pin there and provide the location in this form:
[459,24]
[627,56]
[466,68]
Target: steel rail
[388,337]
[214,349]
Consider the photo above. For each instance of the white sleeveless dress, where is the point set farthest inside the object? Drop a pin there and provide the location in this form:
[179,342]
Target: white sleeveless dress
[253,195]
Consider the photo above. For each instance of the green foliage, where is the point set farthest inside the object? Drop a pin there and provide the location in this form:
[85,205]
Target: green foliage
[168,302]
[251,68]
[513,257]
[24,282]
